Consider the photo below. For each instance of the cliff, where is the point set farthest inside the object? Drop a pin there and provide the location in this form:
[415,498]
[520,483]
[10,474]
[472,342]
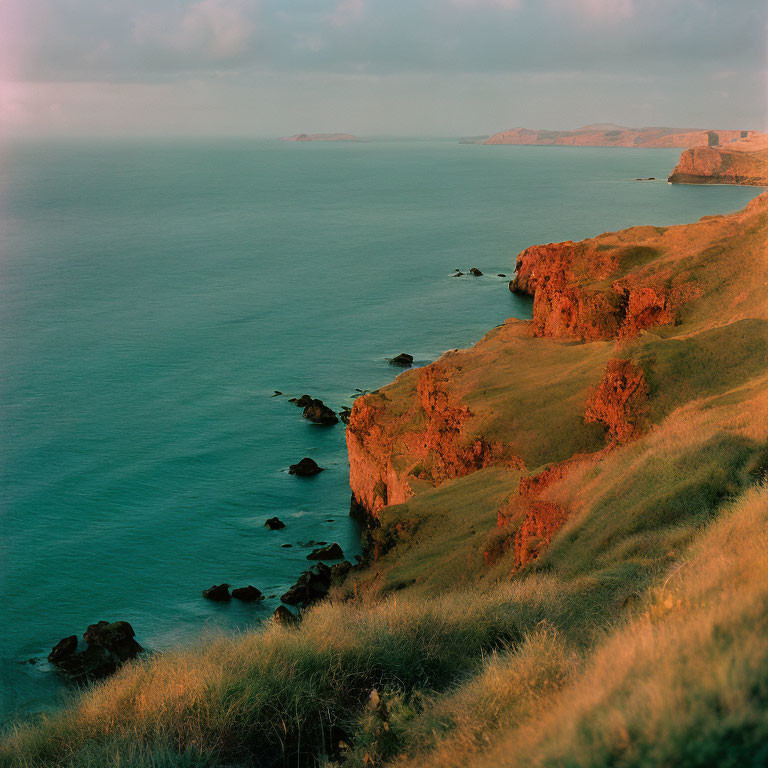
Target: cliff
[320,137]
[607,135]
[612,317]
[742,162]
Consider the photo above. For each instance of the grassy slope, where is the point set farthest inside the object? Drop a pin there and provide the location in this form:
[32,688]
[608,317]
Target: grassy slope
[638,638]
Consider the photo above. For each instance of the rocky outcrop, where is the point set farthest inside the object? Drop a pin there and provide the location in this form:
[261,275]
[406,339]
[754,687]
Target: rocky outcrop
[619,401]
[330,552]
[574,296]
[249,594]
[608,135]
[319,413]
[744,162]
[218,593]
[108,645]
[305,468]
[437,448]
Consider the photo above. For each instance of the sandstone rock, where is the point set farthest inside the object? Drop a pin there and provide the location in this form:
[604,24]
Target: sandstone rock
[403,359]
[331,552]
[305,468]
[219,593]
[274,524]
[247,594]
[475,271]
[319,413]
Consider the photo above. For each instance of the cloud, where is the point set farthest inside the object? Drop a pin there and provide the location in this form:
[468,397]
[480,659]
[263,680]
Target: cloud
[477,4]
[216,30]
[348,12]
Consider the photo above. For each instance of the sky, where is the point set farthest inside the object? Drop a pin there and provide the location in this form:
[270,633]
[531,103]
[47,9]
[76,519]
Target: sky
[377,67]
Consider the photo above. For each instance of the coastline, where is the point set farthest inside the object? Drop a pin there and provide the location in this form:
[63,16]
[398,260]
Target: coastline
[493,476]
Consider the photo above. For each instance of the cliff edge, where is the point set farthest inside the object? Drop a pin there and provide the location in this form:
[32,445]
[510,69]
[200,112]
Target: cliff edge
[742,162]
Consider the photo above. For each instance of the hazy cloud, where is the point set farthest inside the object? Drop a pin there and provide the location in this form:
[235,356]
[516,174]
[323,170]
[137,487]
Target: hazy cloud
[673,47]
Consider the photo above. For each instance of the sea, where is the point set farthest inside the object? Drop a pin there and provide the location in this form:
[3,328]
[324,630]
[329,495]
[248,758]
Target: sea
[154,296]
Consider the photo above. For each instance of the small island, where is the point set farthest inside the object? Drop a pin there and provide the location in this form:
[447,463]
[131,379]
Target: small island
[320,137]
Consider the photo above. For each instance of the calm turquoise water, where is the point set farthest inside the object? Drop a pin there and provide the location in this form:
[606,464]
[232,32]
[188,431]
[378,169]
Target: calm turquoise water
[154,295]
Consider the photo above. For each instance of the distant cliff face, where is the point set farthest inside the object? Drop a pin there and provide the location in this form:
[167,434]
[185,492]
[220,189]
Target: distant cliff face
[743,162]
[320,137]
[618,136]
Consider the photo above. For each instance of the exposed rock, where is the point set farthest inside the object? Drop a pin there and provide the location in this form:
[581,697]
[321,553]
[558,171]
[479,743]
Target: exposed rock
[403,359]
[274,524]
[475,271]
[344,414]
[305,468]
[285,617]
[302,402]
[319,413]
[743,162]
[619,401]
[277,393]
[458,274]
[63,650]
[286,546]
[340,571]
[331,552]
[501,274]
[108,646]
[311,586]
[219,593]
[247,594]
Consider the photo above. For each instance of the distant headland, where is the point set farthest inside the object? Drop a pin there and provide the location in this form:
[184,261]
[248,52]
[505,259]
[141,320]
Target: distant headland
[320,137]
[610,135]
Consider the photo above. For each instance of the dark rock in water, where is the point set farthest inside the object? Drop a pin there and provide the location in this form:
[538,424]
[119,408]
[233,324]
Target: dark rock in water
[277,393]
[330,520]
[219,593]
[285,617]
[247,594]
[332,552]
[501,274]
[340,571]
[63,650]
[403,359]
[475,271]
[319,413]
[109,644]
[345,413]
[285,546]
[458,274]
[117,637]
[311,586]
[301,402]
[274,524]
[305,468]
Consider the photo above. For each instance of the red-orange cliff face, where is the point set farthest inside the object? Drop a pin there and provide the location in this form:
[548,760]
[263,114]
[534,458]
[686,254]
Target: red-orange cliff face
[547,395]
[598,289]
[426,442]
[602,135]
[742,162]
